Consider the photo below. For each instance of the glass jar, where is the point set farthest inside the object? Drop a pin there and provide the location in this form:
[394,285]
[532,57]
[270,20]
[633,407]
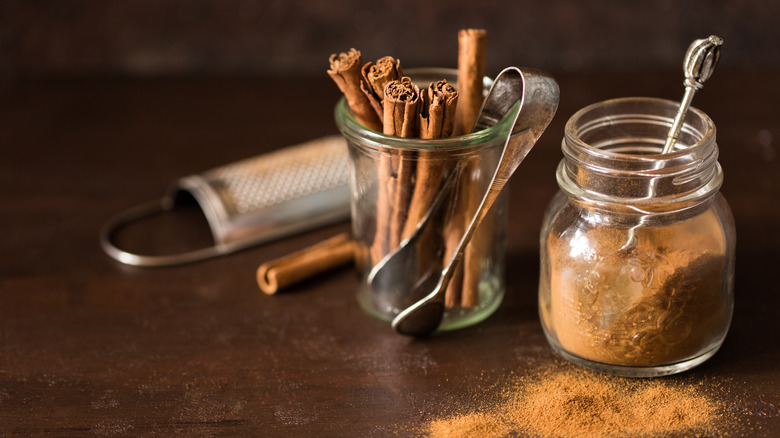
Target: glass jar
[637,247]
[421,193]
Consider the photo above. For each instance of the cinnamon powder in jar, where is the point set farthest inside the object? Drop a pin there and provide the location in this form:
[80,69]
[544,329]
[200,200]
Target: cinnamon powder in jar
[637,248]
[657,302]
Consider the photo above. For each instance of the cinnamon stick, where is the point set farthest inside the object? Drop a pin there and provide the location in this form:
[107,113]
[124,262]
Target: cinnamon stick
[437,115]
[478,249]
[472,65]
[383,99]
[300,265]
[437,119]
[401,111]
[472,61]
[375,79]
[346,72]
[454,228]
[401,108]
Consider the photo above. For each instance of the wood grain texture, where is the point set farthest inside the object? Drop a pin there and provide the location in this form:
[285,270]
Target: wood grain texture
[92,347]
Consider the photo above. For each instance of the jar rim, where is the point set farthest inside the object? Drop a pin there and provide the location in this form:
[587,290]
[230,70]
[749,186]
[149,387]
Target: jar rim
[707,136]
[612,155]
[357,132]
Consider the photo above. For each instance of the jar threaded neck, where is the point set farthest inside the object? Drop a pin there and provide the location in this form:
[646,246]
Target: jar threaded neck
[612,155]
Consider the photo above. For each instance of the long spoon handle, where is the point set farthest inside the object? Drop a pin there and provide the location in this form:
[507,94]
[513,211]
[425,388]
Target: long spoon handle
[537,106]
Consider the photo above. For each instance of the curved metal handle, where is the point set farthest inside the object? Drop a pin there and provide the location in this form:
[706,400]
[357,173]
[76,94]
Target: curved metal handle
[538,103]
[142,211]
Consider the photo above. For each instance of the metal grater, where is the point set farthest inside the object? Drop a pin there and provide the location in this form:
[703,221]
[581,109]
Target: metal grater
[255,200]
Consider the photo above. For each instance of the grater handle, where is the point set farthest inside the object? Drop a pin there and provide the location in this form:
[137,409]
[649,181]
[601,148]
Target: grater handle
[146,210]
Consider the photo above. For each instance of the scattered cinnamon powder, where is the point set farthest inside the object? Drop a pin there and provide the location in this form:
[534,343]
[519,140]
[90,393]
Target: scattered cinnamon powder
[569,403]
[476,424]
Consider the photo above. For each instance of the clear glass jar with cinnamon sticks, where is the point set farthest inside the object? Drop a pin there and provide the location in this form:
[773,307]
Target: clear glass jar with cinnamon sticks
[423,192]
[637,248]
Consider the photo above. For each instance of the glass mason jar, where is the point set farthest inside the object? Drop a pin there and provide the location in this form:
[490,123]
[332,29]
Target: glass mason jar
[637,247]
[420,194]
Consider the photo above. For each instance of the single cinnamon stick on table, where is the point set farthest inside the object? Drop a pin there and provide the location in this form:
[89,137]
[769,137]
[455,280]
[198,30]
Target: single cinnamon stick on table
[472,63]
[300,265]
[345,70]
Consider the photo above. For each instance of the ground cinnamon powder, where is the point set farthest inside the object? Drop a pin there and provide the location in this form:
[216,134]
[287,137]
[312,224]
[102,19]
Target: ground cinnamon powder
[661,301]
[579,403]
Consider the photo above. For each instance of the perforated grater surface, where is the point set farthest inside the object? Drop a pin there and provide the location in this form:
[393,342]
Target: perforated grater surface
[255,200]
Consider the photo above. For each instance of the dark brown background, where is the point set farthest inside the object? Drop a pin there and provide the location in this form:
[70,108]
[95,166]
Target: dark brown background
[102,104]
[181,37]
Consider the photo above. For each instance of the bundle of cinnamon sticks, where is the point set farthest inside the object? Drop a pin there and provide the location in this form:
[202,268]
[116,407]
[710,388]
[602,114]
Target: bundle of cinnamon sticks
[383,99]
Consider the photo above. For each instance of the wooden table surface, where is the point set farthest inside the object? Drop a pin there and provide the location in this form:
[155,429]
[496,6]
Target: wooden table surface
[89,346]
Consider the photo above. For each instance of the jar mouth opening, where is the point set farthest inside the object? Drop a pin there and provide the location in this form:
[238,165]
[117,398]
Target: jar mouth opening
[357,132]
[698,131]
[612,153]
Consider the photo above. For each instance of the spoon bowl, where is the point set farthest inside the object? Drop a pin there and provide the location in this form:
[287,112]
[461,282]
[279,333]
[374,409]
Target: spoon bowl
[385,276]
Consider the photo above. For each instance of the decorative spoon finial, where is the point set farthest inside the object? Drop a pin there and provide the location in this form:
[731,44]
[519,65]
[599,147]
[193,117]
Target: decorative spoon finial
[700,61]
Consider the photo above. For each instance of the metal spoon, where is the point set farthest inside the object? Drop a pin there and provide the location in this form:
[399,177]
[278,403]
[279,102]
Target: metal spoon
[701,58]
[538,95]
[406,258]
[384,276]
